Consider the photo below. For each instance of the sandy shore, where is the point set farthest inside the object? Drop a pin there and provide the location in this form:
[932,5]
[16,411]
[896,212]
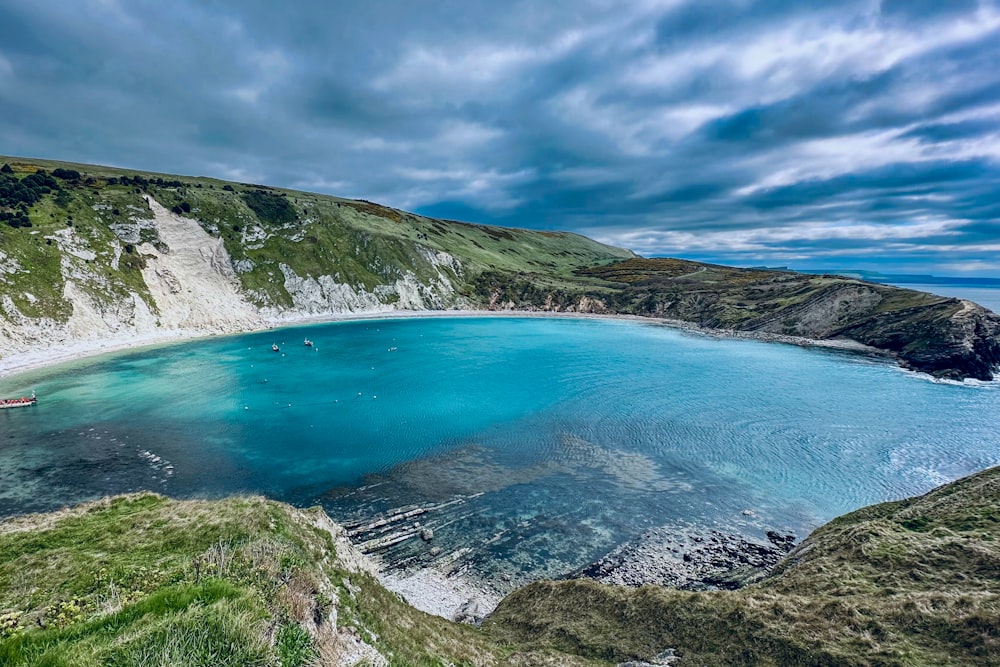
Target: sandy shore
[62,353]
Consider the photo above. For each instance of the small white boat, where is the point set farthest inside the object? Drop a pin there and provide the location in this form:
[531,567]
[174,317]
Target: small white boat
[307,343]
[274,346]
[23,402]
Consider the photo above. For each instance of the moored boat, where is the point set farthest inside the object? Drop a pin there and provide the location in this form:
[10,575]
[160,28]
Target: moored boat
[307,343]
[23,402]
[274,346]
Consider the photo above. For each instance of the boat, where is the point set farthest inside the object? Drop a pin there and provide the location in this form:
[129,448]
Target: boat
[23,402]
[307,343]
[274,346]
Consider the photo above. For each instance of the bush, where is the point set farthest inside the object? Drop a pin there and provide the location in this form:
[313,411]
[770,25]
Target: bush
[26,191]
[5,169]
[66,174]
[270,208]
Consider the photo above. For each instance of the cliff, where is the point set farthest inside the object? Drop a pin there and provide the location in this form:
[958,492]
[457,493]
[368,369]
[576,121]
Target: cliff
[96,254]
[143,580]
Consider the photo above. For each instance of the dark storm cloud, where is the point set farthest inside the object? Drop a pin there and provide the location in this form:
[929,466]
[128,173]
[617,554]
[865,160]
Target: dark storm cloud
[770,132]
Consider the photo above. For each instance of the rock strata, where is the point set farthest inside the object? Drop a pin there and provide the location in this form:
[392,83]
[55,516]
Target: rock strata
[688,559]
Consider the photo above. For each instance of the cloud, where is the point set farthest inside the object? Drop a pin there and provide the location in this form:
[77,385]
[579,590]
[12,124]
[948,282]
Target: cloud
[749,131]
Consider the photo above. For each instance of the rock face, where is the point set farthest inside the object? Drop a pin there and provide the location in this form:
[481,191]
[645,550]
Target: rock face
[945,337]
[953,345]
[114,257]
[191,278]
[692,560]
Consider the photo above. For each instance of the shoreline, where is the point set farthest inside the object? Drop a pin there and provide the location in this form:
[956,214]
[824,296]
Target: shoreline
[21,363]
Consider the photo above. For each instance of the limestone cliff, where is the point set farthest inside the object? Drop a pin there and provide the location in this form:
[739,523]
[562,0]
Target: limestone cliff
[104,254]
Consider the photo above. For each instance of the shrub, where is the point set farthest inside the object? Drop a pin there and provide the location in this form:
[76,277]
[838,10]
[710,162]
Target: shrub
[294,646]
[66,174]
[269,208]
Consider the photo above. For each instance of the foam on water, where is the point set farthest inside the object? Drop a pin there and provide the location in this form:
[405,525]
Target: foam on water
[546,441]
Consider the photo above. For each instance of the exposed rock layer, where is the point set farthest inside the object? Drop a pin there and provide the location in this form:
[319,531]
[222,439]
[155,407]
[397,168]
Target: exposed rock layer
[105,260]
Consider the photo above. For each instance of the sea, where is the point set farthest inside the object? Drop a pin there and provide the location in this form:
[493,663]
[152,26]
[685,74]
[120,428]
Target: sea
[530,446]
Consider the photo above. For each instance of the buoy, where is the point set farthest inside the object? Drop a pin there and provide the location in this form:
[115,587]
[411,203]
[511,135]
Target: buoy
[246,407]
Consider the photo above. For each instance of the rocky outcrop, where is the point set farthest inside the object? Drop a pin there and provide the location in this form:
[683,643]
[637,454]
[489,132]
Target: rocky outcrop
[685,558]
[956,340]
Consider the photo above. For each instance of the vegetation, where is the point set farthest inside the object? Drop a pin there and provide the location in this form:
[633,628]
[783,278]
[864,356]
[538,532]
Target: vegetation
[143,580]
[915,582]
[281,239]
[270,208]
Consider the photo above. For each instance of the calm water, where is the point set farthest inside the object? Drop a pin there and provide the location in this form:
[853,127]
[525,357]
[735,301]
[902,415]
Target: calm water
[546,442]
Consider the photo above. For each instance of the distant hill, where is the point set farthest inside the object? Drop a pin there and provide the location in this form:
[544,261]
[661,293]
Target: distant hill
[98,254]
[909,278]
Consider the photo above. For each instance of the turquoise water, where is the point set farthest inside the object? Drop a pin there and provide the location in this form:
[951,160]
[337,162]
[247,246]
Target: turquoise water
[547,441]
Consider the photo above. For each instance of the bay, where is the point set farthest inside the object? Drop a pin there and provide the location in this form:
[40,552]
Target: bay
[540,444]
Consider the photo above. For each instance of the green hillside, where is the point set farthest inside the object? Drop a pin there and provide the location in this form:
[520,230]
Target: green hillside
[84,252]
[359,242]
[143,580]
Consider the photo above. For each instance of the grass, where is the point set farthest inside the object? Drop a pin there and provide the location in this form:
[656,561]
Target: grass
[279,239]
[361,244]
[915,582]
[143,580]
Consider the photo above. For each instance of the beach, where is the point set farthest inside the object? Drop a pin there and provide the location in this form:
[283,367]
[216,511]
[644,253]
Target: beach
[77,350]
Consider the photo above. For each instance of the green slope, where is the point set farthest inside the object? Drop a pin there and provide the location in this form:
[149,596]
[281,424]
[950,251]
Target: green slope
[915,582]
[143,580]
[358,242]
[88,224]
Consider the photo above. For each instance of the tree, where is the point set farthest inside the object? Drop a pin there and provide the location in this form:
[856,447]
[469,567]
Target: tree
[5,169]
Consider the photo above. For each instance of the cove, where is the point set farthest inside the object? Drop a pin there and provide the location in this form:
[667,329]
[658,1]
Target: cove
[544,443]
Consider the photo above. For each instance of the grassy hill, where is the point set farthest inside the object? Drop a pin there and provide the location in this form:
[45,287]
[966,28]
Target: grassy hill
[89,251]
[143,580]
[915,582]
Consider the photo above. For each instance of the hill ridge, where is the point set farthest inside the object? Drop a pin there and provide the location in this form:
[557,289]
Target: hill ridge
[84,256]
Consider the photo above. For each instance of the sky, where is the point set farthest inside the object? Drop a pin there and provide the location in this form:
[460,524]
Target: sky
[810,134]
